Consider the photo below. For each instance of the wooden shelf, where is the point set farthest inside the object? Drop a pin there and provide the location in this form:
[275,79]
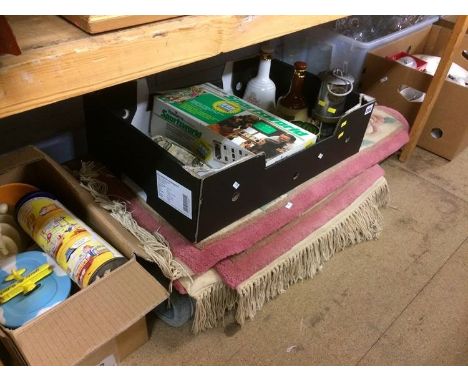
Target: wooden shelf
[99,24]
[60,61]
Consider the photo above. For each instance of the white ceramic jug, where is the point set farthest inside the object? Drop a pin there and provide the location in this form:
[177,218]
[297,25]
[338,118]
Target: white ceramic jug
[261,90]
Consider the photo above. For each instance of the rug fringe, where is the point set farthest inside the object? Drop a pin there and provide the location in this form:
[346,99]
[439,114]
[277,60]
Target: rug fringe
[155,247]
[300,263]
[306,259]
[211,306]
[363,223]
[381,195]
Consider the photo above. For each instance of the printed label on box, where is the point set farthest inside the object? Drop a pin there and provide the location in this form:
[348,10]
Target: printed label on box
[174,194]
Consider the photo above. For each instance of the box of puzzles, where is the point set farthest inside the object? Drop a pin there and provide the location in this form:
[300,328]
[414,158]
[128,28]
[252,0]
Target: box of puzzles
[221,129]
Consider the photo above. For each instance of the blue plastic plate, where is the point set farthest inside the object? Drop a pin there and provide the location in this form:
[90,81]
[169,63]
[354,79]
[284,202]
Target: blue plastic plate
[52,290]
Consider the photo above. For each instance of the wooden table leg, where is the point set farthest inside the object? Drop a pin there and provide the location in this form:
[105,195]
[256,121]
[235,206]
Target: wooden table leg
[435,87]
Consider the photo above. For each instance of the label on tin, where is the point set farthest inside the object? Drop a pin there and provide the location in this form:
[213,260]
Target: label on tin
[84,256]
[54,231]
[174,194]
[48,223]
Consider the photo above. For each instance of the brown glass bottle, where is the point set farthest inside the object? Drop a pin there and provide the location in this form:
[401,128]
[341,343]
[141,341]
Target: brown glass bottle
[293,106]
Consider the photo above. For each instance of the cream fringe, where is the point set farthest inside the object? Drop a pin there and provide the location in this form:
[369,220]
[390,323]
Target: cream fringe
[155,246]
[363,221]
[211,306]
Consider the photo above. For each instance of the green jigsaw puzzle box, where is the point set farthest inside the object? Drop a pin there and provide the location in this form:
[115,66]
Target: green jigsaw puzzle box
[221,129]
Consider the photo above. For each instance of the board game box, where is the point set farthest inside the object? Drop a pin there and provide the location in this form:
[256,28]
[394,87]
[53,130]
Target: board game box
[221,129]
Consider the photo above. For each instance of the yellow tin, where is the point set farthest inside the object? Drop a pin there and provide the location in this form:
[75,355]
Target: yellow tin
[83,255]
[76,248]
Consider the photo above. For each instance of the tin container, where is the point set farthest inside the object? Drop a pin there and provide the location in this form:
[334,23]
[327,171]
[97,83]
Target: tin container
[26,305]
[78,250]
[84,256]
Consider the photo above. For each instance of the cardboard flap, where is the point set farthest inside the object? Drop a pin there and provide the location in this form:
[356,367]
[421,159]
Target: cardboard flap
[14,355]
[437,41]
[69,192]
[86,321]
[19,157]
[382,73]
[412,43]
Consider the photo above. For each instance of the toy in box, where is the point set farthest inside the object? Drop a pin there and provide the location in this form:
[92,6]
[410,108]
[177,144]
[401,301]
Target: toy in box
[409,60]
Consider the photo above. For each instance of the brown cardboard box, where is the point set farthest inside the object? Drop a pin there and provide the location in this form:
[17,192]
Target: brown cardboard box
[119,347]
[447,21]
[104,321]
[446,131]
[4,357]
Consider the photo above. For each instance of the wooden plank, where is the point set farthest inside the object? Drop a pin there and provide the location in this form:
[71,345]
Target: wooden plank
[435,87]
[99,24]
[75,63]
[8,44]
[35,32]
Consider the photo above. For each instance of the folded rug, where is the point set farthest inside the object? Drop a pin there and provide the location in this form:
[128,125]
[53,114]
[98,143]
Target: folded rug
[256,258]
[245,282]
[387,132]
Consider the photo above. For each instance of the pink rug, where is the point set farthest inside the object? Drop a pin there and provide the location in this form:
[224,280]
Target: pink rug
[234,264]
[203,256]
[238,268]
[246,281]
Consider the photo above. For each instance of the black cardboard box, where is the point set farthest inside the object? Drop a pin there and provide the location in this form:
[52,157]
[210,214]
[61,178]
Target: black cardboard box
[226,196]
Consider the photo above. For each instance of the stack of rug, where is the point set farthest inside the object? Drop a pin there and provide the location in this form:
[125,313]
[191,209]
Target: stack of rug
[289,240]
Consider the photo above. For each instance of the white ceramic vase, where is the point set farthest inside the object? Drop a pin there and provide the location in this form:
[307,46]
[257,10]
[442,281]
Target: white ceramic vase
[261,90]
